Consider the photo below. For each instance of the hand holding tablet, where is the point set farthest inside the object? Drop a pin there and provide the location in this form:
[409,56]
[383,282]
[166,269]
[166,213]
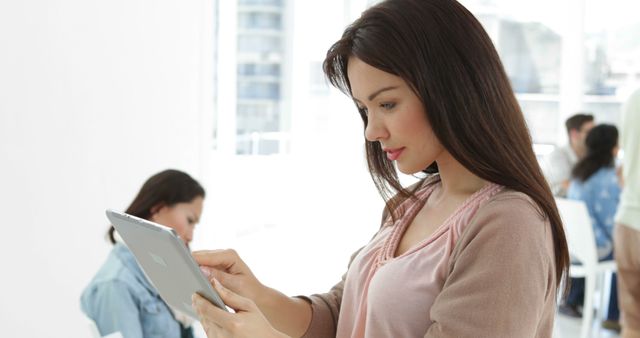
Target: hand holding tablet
[166,261]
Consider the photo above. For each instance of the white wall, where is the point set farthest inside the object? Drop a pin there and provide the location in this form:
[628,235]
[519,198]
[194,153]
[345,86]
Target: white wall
[83,82]
[84,85]
[294,218]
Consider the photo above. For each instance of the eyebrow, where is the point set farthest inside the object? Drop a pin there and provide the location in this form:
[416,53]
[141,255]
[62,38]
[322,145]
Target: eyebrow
[377,92]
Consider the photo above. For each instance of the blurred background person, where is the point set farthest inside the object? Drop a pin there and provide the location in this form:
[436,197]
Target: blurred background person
[558,164]
[627,230]
[595,182]
[120,298]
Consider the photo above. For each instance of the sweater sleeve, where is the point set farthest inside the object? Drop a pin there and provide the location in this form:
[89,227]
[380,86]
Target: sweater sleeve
[501,279]
[325,309]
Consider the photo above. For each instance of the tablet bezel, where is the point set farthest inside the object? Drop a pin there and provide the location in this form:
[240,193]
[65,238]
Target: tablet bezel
[153,245]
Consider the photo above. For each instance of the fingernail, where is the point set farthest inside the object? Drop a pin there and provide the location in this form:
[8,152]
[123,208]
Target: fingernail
[216,283]
[205,271]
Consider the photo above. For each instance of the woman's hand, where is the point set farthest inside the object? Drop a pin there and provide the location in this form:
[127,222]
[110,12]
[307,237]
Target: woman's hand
[229,269]
[246,322]
[286,314]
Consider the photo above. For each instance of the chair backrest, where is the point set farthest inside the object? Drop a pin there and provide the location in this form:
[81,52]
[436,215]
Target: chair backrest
[579,230]
[91,326]
[93,329]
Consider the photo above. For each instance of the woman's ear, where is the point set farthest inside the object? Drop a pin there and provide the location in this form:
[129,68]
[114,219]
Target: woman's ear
[154,209]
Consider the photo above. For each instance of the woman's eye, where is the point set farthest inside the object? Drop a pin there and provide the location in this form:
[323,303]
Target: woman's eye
[387,106]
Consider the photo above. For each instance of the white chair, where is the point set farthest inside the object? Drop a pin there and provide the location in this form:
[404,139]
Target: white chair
[91,326]
[93,329]
[582,246]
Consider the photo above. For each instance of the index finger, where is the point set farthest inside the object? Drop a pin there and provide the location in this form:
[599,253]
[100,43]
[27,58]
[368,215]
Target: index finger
[216,258]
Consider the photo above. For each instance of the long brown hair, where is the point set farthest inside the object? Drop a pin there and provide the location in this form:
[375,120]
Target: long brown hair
[441,50]
[600,142]
[168,187]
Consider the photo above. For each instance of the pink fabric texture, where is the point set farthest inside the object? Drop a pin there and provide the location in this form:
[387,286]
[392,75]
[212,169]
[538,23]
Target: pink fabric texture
[417,276]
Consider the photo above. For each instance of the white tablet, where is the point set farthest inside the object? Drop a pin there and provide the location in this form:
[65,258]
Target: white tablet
[166,261]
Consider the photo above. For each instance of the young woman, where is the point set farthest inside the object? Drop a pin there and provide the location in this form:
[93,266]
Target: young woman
[476,248]
[596,183]
[120,298]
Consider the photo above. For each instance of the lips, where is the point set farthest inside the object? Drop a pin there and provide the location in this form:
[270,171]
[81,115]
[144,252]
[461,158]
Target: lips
[393,154]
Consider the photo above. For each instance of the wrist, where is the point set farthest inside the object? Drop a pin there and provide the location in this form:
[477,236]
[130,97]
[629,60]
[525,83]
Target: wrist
[267,297]
[278,334]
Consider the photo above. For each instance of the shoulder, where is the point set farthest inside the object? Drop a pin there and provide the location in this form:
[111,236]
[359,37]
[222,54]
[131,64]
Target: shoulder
[114,277]
[603,178]
[562,153]
[606,173]
[575,189]
[558,163]
[503,257]
[510,205]
[511,223]
[509,233]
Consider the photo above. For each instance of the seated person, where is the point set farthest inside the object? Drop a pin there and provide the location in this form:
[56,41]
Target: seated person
[120,298]
[595,182]
[558,164]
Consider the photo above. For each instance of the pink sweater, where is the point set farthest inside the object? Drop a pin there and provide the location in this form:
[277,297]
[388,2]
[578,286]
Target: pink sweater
[488,271]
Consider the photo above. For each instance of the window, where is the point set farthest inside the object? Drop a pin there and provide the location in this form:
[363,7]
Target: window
[259,20]
[261,2]
[259,43]
[318,83]
[563,58]
[257,90]
[530,44]
[256,69]
[612,56]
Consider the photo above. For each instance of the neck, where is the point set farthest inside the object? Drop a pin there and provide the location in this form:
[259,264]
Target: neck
[578,151]
[457,181]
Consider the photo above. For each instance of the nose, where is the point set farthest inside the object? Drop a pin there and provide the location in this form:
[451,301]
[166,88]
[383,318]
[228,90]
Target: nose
[188,236]
[375,130]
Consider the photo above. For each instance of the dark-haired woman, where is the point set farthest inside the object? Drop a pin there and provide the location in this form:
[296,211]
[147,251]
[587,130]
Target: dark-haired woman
[476,248]
[595,182]
[120,298]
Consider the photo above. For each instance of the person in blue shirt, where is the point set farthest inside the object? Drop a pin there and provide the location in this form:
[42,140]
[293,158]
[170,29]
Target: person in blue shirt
[119,298]
[596,183]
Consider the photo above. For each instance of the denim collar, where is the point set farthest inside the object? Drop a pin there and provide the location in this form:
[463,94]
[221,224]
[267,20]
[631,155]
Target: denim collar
[129,261]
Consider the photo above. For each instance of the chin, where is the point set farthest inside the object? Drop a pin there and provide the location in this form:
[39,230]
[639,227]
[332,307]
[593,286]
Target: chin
[408,171]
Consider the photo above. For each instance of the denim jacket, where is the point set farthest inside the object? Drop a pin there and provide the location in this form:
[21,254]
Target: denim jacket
[601,194]
[120,298]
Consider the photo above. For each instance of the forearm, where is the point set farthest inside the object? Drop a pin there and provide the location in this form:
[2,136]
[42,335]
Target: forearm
[287,314]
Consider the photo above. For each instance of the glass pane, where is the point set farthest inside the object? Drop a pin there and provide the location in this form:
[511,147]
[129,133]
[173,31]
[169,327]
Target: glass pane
[259,20]
[258,126]
[261,2]
[539,114]
[604,112]
[258,90]
[258,69]
[530,53]
[529,44]
[528,39]
[612,48]
[259,44]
